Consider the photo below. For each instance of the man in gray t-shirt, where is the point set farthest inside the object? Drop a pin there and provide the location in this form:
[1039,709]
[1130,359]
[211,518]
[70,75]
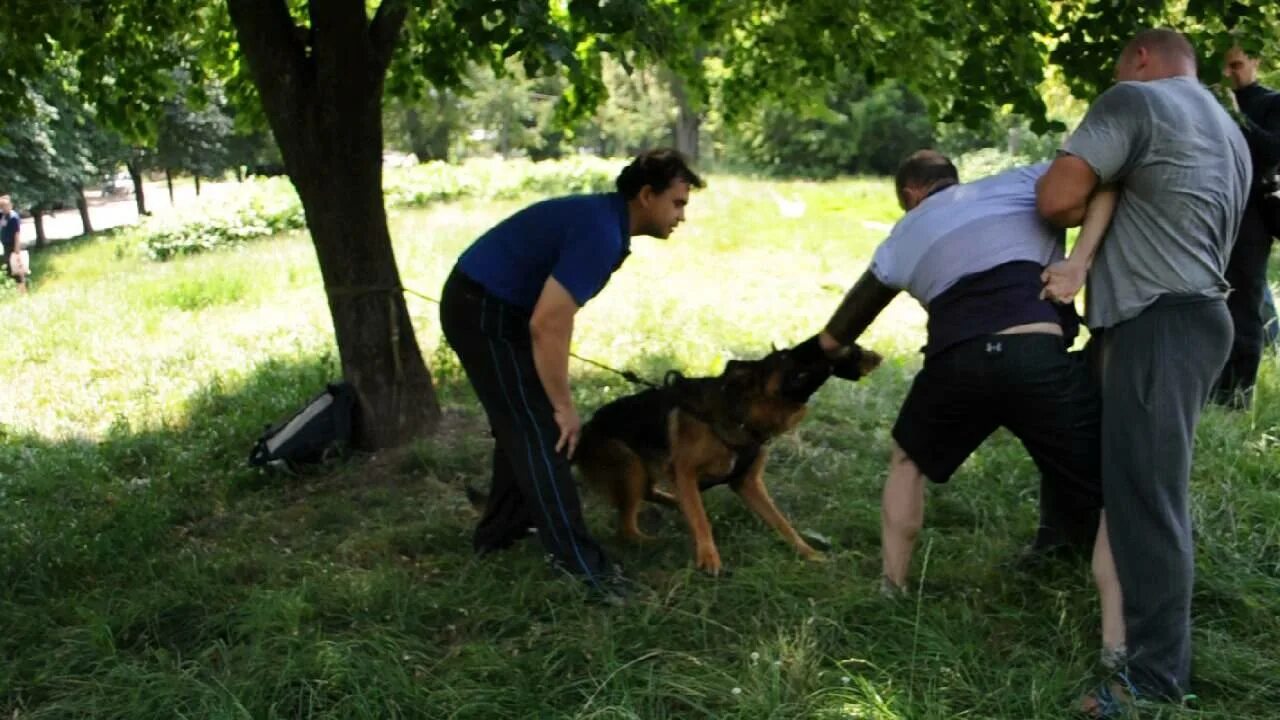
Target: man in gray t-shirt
[1182,198]
[1155,302]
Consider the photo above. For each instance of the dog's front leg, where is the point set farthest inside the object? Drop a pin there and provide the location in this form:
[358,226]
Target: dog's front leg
[689,497]
[756,496]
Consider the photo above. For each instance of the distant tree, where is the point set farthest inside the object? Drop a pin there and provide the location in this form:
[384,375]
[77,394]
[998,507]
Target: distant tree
[321,68]
[428,125]
[194,133]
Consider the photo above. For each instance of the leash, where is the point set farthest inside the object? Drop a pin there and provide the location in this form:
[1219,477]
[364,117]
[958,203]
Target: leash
[627,375]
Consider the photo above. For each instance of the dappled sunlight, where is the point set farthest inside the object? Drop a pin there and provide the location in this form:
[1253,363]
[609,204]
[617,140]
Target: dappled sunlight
[139,544]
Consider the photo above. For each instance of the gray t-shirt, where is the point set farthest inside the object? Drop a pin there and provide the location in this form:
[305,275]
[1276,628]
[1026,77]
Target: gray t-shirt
[1184,173]
[967,229]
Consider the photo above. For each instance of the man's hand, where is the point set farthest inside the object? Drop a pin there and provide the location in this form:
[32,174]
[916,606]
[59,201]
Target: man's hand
[570,429]
[1062,280]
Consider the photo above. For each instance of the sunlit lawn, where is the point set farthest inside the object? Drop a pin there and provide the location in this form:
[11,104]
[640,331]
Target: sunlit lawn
[146,571]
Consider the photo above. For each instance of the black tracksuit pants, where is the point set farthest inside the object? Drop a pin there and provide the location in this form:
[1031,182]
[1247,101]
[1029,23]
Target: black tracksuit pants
[532,484]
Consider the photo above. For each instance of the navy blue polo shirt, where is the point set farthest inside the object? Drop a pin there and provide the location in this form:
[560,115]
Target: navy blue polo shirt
[10,226]
[579,240]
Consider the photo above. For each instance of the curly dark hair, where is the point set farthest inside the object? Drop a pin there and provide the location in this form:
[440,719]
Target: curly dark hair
[656,168]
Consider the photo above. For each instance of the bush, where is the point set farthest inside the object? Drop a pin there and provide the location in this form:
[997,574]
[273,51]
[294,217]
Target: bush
[275,208]
[494,179]
[856,130]
[978,164]
[260,218]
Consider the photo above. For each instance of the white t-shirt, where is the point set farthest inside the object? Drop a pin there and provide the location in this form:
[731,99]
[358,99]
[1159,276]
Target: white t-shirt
[967,229]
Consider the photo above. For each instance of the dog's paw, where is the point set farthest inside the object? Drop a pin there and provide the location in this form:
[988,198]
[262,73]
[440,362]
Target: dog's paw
[635,536]
[813,556]
[815,540]
[708,560]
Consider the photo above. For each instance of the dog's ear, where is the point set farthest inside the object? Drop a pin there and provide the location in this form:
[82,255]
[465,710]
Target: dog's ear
[737,369]
[740,373]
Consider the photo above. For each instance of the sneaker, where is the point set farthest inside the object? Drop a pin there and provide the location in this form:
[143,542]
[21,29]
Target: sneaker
[613,590]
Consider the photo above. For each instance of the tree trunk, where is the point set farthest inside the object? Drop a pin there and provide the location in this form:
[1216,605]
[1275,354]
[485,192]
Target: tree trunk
[37,219]
[82,204]
[168,181]
[197,177]
[324,106]
[239,173]
[688,121]
[135,174]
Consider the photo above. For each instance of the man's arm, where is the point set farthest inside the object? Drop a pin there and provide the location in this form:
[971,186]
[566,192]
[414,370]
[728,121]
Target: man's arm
[861,305]
[1062,193]
[551,329]
[1111,141]
[1262,133]
[1064,278]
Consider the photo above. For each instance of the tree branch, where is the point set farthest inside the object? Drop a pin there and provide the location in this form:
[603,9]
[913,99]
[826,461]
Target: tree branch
[384,31]
[270,42]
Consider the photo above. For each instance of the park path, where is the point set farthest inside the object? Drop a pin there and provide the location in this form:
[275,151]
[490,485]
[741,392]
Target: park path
[121,209]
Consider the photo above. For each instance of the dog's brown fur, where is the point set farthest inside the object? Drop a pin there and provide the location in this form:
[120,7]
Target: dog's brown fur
[695,433]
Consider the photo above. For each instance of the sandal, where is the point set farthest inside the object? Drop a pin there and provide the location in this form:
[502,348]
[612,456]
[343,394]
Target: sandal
[1112,699]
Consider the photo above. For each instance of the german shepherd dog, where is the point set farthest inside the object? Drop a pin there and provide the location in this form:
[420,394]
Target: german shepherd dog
[696,433]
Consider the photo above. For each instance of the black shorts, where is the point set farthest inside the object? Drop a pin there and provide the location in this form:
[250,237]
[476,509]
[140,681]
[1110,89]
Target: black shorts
[1028,384]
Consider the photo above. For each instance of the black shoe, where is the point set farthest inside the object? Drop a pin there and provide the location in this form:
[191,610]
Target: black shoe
[613,589]
[1038,559]
[487,546]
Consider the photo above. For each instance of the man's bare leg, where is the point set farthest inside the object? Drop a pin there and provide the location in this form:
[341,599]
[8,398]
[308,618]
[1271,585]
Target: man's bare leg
[1110,596]
[901,517]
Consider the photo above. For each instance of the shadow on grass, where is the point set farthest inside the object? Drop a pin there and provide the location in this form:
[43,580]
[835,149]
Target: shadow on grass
[127,554]
[155,575]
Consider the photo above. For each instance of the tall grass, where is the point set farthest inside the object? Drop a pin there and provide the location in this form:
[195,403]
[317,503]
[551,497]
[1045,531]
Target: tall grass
[147,572]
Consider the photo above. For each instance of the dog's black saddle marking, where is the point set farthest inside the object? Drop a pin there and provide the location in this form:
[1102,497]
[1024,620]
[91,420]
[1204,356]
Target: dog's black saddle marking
[641,421]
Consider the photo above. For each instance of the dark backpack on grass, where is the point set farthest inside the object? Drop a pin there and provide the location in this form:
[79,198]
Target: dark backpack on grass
[317,433]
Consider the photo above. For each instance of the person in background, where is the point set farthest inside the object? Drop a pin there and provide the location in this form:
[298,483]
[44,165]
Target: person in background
[11,242]
[1259,117]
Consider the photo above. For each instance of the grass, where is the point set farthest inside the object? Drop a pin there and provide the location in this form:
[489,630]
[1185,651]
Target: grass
[147,572]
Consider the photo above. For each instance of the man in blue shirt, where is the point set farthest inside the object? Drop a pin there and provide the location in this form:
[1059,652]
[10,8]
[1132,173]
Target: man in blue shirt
[508,310]
[11,242]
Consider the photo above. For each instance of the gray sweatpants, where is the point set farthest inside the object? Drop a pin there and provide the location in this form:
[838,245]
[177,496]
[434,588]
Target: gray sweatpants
[1157,370]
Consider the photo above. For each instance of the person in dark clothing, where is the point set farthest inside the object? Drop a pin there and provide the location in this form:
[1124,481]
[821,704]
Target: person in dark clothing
[508,310]
[1259,118]
[11,243]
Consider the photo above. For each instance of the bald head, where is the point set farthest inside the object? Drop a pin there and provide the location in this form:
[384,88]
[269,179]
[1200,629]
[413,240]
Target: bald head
[921,173]
[1155,55]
